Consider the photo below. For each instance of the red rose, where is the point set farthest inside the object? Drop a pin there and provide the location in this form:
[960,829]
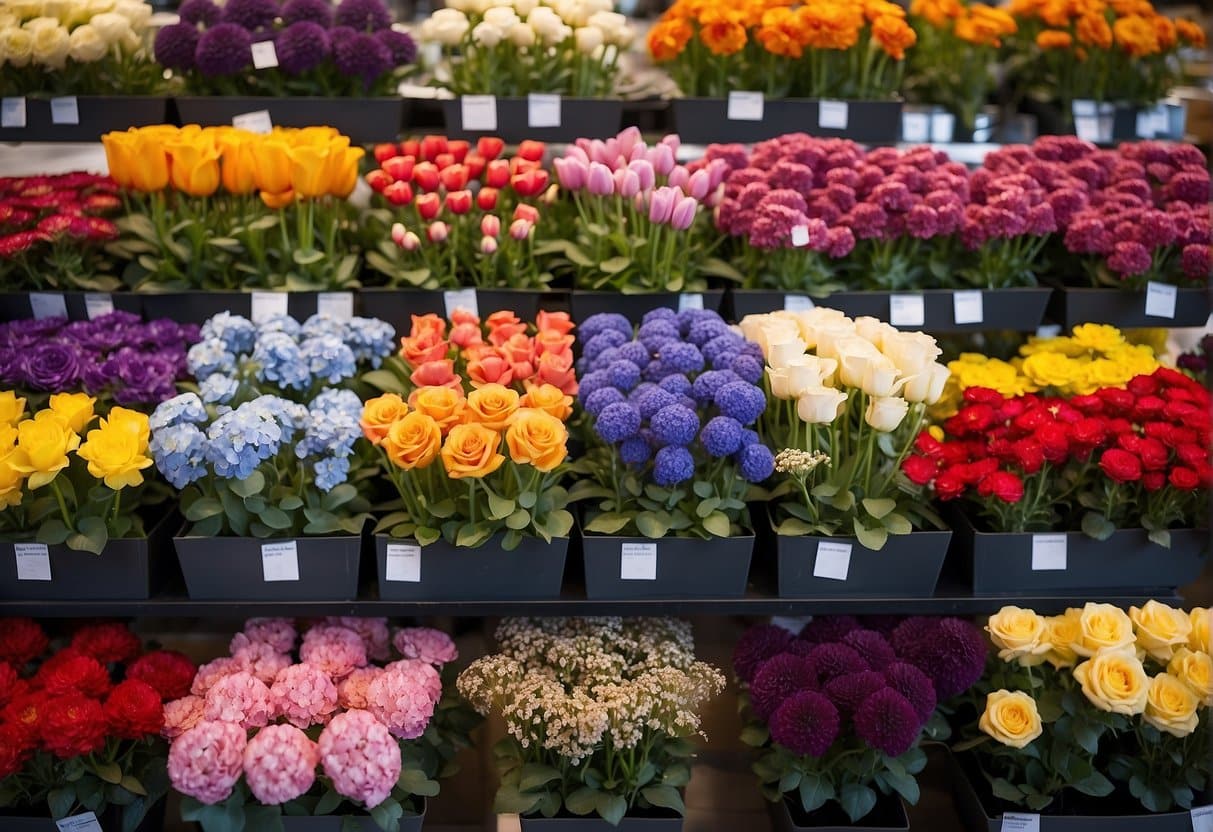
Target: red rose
[170,673]
[1002,484]
[919,470]
[78,674]
[10,683]
[73,725]
[107,643]
[14,750]
[1120,465]
[1185,479]
[1153,480]
[1143,385]
[21,640]
[949,485]
[1030,455]
[134,711]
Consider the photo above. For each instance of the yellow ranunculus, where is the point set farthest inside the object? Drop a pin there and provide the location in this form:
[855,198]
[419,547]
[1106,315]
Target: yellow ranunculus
[194,167]
[1050,369]
[1198,639]
[1115,681]
[1195,669]
[1171,706]
[309,174]
[1062,632]
[1103,626]
[272,171]
[75,408]
[550,399]
[131,420]
[471,451]
[413,441]
[379,414]
[1019,634]
[1097,337]
[1160,629]
[115,455]
[1011,718]
[492,405]
[538,439]
[45,441]
[444,405]
[12,408]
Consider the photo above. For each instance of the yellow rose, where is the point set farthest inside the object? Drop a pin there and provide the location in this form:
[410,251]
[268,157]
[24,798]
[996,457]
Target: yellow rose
[1062,631]
[413,441]
[471,451]
[1103,626]
[45,440]
[1194,669]
[550,399]
[1171,706]
[17,47]
[74,408]
[114,455]
[12,408]
[1011,718]
[133,421]
[537,438]
[1160,629]
[1019,634]
[379,414]
[442,404]
[12,461]
[1198,639]
[492,405]
[1115,681]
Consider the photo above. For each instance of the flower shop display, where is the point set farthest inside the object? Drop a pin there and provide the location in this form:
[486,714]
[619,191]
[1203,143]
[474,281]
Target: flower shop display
[838,712]
[80,723]
[1097,713]
[1107,488]
[629,695]
[311,724]
[223,209]
[671,455]
[841,419]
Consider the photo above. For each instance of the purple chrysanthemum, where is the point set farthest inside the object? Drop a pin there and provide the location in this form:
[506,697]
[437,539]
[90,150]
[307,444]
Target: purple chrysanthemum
[755,646]
[199,13]
[302,46]
[251,14]
[887,722]
[224,49]
[319,12]
[806,723]
[914,685]
[400,44]
[727,342]
[654,399]
[883,624]
[624,375]
[778,678]
[721,436]
[834,660]
[741,401]
[952,653]
[848,691]
[755,462]
[910,633]
[824,629]
[673,465]
[363,15]
[617,422]
[872,646]
[361,56]
[175,46]
[635,451]
[600,399]
[675,425]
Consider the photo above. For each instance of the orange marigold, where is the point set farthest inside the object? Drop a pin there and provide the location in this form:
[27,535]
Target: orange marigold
[668,38]
[1053,39]
[1136,35]
[1057,13]
[894,36]
[1191,32]
[1124,8]
[1164,29]
[979,31]
[936,12]
[998,18]
[874,9]
[722,31]
[829,25]
[1093,30]
[780,33]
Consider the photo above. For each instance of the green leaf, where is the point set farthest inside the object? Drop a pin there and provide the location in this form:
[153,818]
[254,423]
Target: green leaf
[667,797]
[509,800]
[472,536]
[614,265]
[202,508]
[109,772]
[527,499]
[275,518]
[677,775]
[520,519]
[387,815]
[582,801]
[1094,784]
[385,381]
[254,483]
[290,502]
[904,785]
[608,522]
[873,539]
[53,532]
[500,507]
[878,507]
[814,790]
[897,524]
[703,490]
[755,735]
[1097,526]
[415,781]
[1005,790]
[1160,537]
[856,800]
[651,526]
[794,527]
[132,785]
[328,803]
[718,524]
[790,781]
[825,490]
[707,506]
[612,807]
[442,509]
[534,775]
[61,801]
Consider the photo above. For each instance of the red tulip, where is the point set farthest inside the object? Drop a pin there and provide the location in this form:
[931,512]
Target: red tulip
[527,212]
[432,146]
[429,205]
[490,147]
[530,183]
[459,202]
[379,179]
[454,178]
[444,160]
[399,193]
[400,167]
[410,147]
[486,198]
[425,174]
[531,150]
[497,173]
[459,149]
[384,151]
[475,163]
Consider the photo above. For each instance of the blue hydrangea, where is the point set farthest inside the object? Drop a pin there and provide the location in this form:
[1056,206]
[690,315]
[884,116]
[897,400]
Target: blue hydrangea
[748,368]
[279,323]
[208,357]
[724,361]
[184,409]
[341,400]
[674,425]
[749,437]
[721,436]
[603,341]
[661,313]
[654,400]
[753,349]
[328,431]
[704,388]
[741,400]
[603,322]
[240,440]
[729,343]
[280,361]
[679,385]
[682,357]
[655,371]
[235,332]
[322,325]
[591,382]
[600,399]
[634,451]
[657,334]
[624,375]
[756,462]
[635,352]
[673,465]
[604,359]
[640,390]
[371,339]
[218,388]
[706,330]
[291,415]
[179,451]
[331,472]
[689,317]
[617,422]
[328,358]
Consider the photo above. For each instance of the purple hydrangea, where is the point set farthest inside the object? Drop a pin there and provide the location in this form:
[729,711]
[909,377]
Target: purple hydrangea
[681,357]
[673,465]
[654,399]
[723,346]
[251,14]
[748,368]
[319,12]
[676,385]
[914,685]
[706,385]
[617,422]
[363,15]
[778,678]
[656,334]
[721,436]
[706,330]
[834,660]
[361,56]
[635,451]
[198,13]
[603,341]
[175,46]
[675,425]
[660,313]
[302,46]
[400,44]
[224,49]
[849,690]
[742,401]
[806,723]
[755,462]
[600,399]
[874,647]
[887,722]
[635,352]
[624,375]
[604,322]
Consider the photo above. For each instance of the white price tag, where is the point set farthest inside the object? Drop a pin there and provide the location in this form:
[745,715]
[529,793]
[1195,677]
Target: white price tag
[1202,819]
[12,112]
[745,106]
[967,307]
[65,110]
[833,560]
[1145,124]
[907,310]
[97,305]
[265,56]
[832,115]
[793,624]
[1087,128]
[465,299]
[797,303]
[268,305]
[690,300]
[1048,553]
[638,561]
[916,127]
[1015,822]
[800,235]
[339,305]
[80,823]
[542,110]
[1160,300]
[403,563]
[47,305]
[1048,330]
[33,561]
[280,561]
[257,121]
[478,112]
[943,127]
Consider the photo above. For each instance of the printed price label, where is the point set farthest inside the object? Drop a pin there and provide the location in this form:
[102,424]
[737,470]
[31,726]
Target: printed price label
[97,305]
[907,310]
[257,121]
[943,126]
[1144,128]
[478,112]
[1048,330]
[12,112]
[542,110]
[65,110]
[339,305]
[265,56]
[280,561]
[47,305]
[745,105]
[1202,819]
[915,127]
[1160,300]
[832,115]
[967,307]
[1048,553]
[461,299]
[33,561]
[79,823]
[1012,822]
[403,563]
[797,303]
[833,560]
[690,301]
[800,235]
[638,561]
[268,305]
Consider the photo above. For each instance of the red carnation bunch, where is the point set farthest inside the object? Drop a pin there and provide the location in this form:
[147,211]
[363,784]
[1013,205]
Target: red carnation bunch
[1118,458]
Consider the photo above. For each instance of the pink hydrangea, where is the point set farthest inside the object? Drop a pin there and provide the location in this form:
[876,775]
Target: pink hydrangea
[205,762]
[351,691]
[335,650]
[240,698]
[279,633]
[211,672]
[262,660]
[304,694]
[280,764]
[425,643]
[360,757]
[182,714]
[374,632]
[404,696]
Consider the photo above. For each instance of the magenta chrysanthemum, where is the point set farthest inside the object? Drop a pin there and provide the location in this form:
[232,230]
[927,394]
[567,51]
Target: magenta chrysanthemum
[824,629]
[778,678]
[251,14]
[400,44]
[360,757]
[952,653]
[914,685]
[224,50]
[872,647]
[319,12]
[175,46]
[262,660]
[363,57]
[211,672]
[335,650]
[279,633]
[363,15]
[834,660]
[850,690]
[301,47]
[199,13]
[280,764]
[305,695]
[755,646]
[351,691]
[240,698]
[205,761]
[374,632]
[402,698]
[887,722]
[182,714]
[425,643]
[912,632]
[806,723]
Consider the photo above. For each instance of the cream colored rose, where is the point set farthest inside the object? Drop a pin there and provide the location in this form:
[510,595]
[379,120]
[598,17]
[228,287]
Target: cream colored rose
[809,321]
[501,17]
[445,26]
[1198,639]
[805,372]
[1103,626]
[85,45]
[1171,706]
[25,9]
[50,46]
[927,386]
[854,354]
[1019,634]
[136,11]
[821,405]
[912,352]
[524,7]
[882,378]
[521,35]
[1062,631]
[1011,718]
[872,329]
[1115,681]
[1160,629]
[782,348]
[1195,669]
[113,28]
[589,38]
[40,23]
[829,339]
[18,47]
[886,414]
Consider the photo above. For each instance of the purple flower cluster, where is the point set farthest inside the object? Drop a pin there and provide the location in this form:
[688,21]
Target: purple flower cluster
[679,393]
[115,354]
[839,676]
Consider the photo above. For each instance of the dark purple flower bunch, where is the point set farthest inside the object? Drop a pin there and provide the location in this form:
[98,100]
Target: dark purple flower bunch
[114,355]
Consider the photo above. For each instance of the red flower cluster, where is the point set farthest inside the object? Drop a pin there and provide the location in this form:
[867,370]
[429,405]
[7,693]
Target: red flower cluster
[46,209]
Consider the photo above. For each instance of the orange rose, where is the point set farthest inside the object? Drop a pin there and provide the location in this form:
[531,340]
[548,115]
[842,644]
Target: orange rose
[548,398]
[466,335]
[437,374]
[503,326]
[557,370]
[553,340]
[423,324]
[471,451]
[420,349]
[559,321]
[413,441]
[538,439]
[379,414]
[463,316]
[520,350]
[442,404]
[490,366]
[492,406]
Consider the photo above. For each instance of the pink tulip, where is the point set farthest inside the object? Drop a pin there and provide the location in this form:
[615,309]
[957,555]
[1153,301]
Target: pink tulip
[520,229]
[629,183]
[662,158]
[437,232]
[490,225]
[644,169]
[572,173]
[672,141]
[577,153]
[718,169]
[627,139]
[684,213]
[699,184]
[488,245]
[398,232]
[411,242]
[599,181]
[661,204]
[678,177]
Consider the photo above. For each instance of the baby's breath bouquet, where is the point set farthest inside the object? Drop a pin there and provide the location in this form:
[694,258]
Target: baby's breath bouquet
[599,713]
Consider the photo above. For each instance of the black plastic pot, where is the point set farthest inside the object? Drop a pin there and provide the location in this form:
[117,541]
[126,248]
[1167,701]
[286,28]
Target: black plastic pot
[658,823]
[533,571]
[15,306]
[591,118]
[98,114]
[29,820]
[703,120]
[364,120]
[1073,306]
[633,307]
[396,306]
[197,307]
[887,816]
[682,567]
[1001,563]
[230,569]
[343,823]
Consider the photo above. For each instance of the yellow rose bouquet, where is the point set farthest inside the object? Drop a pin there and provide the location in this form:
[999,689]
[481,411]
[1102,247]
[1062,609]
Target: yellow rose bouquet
[69,478]
[219,208]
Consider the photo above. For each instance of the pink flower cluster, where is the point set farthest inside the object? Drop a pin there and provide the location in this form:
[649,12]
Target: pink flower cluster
[360,757]
[425,643]
[333,649]
[404,696]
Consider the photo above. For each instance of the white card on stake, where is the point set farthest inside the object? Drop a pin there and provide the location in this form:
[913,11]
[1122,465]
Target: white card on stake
[916,127]
[465,299]
[265,56]
[65,110]
[12,112]
[967,307]
[47,305]
[1048,330]
[792,623]
[339,305]
[907,310]
[257,121]
[637,561]
[1016,822]
[280,561]
[542,110]
[745,105]
[1048,553]
[79,823]
[268,305]
[800,235]
[403,563]
[1202,819]
[478,112]
[833,560]
[1160,300]
[33,561]
[832,115]
[797,303]
[96,305]
[690,300]
[1145,124]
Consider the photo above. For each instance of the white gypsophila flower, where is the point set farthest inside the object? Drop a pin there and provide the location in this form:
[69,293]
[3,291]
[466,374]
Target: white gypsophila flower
[797,461]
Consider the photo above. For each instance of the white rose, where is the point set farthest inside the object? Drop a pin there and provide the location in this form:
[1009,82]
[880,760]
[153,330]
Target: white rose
[18,47]
[927,386]
[588,39]
[522,35]
[885,414]
[873,329]
[774,332]
[25,9]
[137,12]
[50,46]
[487,35]
[881,378]
[501,17]
[779,353]
[39,23]
[85,45]
[446,26]
[819,317]
[821,405]
[825,337]
[910,351]
[807,372]
[112,27]
[854,354]
[524,7]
